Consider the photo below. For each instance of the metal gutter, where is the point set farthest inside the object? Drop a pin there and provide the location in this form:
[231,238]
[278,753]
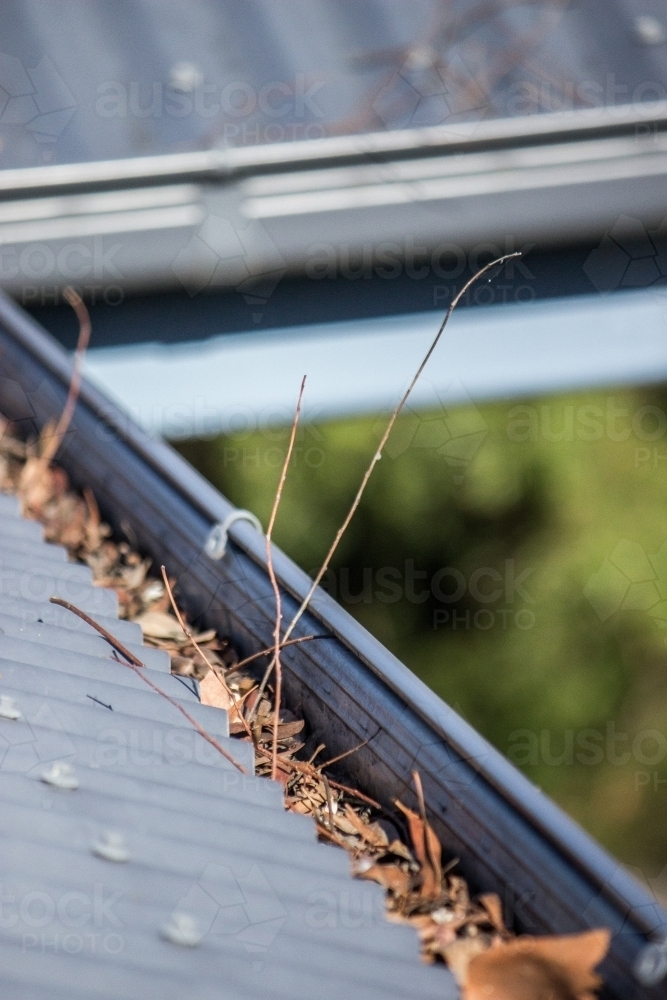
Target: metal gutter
[552,877]
[243,216]
[230,162]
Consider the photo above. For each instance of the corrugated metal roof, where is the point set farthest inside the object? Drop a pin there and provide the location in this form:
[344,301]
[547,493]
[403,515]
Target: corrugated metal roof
[96,81]
[276,913]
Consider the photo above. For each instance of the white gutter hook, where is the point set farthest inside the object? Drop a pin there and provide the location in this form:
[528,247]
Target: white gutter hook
[216,543]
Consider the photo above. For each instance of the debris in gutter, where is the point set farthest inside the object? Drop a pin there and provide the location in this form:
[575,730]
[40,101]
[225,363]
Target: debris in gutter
[396,848]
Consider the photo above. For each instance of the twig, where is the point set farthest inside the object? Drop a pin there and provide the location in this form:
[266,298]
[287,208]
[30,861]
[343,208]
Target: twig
[312,757]
[342,756]
[118,646]
[327,789]
[420,795]
[134,664]
[378,454]
[357,795]
[264,652]
[83,317]
[276,588]
[435,863]
[194,642]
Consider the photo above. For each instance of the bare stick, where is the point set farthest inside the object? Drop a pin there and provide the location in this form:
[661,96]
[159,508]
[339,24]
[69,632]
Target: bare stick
[327,789]
[134,664]
[276,588]
[216,673]
[435,863]
[118,646]
[356,794]
[83,317]
[264,652]
[378,454]
[342,756]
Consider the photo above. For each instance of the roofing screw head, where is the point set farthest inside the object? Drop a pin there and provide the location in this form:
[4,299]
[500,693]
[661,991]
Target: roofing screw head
[111,846]
[650,966]
[182,929]
[60,775]
[649,30]
[8,709]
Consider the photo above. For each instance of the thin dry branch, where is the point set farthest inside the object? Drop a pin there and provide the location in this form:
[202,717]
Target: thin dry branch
[111,639]
[214,670]
[378,454]
[135,664]
[77,304]
[274,584]
[271,649]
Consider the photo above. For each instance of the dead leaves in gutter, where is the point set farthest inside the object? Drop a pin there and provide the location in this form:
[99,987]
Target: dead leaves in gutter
[399,851]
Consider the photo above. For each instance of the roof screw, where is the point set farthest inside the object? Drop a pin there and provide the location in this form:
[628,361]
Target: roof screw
[60,775]
[112,847]
[183,930]
[649,30]
[8,708]
[650,966]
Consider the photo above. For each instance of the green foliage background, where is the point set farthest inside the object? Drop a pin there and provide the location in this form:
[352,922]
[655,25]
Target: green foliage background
[552,487]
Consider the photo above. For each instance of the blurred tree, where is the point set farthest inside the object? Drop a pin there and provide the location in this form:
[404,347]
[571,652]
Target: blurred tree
[515,557]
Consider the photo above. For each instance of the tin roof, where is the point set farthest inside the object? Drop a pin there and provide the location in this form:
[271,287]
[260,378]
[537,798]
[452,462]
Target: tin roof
[136,860]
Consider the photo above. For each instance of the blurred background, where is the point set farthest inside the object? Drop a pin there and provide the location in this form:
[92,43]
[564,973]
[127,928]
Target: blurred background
[247,192]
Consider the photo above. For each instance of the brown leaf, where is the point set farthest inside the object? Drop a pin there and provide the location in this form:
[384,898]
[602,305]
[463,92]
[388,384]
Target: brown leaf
[213,693]
[428,851]
[286,729]
[371,832]
[494,909]
[343,824]
[390,876]
[459,956]
[161,626]
[207,636]
[528,968]
[183,665]
[400,850]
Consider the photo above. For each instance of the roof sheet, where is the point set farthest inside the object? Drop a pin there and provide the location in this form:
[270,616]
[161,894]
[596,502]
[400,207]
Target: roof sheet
[100,81]
[275,913]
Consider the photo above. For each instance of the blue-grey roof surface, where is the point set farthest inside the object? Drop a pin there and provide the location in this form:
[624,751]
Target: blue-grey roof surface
[100,81]
[209,853]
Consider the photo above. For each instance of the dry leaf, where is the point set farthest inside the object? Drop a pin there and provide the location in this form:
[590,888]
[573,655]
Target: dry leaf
[390,876]
[213,693]
[371,832]
[159,625]
[548,968]
[400,850]
[286,729]
[428,851]
[459,956]
[494,909]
